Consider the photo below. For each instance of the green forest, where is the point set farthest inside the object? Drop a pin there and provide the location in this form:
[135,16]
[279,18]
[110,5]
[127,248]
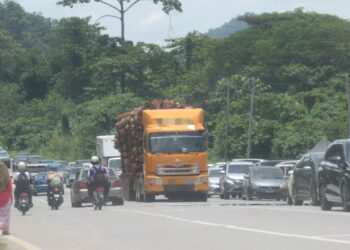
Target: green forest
[63,82]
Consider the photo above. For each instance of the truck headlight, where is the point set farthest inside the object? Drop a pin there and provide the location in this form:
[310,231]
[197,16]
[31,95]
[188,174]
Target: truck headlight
[201,180]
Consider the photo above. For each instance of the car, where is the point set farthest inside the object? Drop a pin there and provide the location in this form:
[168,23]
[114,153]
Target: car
[79,192]
[334,176]
[36,168]
[286,167]
[40,183]
[27,158]
[116,164]
[302,185]
[214,180]
[264,183]
[5,158]
[231,180]
[71,175]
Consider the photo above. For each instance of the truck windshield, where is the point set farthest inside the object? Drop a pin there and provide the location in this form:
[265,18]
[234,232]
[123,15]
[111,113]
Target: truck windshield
[177,142]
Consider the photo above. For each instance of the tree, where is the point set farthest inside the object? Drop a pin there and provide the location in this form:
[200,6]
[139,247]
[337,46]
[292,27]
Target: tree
[123,6]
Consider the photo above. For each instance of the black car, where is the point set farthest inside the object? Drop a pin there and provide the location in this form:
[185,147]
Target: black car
[334,176]
[264,183]
[303,182]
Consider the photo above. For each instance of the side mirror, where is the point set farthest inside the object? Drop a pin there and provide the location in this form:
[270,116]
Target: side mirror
[307,168]
[222,172]
[290,172]
[335,159]
[246,177]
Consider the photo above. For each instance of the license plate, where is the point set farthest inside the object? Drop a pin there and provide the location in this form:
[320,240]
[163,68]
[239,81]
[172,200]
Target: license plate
[56,195]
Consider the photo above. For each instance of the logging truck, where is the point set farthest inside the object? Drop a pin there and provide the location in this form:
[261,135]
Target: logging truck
[164,152]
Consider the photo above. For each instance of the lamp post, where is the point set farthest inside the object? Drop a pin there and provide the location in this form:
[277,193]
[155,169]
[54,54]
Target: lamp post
[226,118]
[251,108]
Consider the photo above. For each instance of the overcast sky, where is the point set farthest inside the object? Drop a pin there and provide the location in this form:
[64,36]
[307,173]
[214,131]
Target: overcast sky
[146,22]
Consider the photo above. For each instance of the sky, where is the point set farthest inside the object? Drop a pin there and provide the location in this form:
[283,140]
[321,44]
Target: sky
[146,22]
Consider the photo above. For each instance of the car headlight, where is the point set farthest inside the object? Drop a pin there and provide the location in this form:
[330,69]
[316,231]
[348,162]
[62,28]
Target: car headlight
[229,181]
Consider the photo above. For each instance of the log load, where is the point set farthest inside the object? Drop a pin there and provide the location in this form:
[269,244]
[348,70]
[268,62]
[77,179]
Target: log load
[129,135]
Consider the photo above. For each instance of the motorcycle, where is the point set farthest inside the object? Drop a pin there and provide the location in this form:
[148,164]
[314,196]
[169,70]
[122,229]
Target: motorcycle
[23,203]
[56,198]
[99,197]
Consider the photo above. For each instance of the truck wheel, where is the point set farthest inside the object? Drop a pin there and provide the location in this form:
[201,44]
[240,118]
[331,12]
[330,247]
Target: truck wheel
[149,197]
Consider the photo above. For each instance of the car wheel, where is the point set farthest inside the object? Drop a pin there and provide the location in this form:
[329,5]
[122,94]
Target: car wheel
[73,204]
[313,196]
[78,204]
[345,197]
[249,194]
[325,204]
[295,201]
[289,199]
[149,197]
[117,201]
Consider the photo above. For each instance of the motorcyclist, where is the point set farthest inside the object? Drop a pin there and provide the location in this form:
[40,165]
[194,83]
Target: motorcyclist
[97,176]
[23,182]
[54,179]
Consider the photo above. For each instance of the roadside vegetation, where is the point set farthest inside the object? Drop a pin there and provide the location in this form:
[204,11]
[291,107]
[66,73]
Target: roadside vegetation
[62,82]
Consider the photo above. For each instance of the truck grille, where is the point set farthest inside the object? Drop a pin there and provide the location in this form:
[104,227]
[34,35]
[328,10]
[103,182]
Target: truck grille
[168,169]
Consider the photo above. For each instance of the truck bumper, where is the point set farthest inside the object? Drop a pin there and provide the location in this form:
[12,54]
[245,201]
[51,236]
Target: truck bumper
[163,184]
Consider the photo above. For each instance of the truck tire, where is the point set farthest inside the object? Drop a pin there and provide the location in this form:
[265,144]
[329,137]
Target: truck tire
[148,197]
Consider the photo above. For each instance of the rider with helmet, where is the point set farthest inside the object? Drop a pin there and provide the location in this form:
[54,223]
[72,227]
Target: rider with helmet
[54,179]
[23,181]
[97,176]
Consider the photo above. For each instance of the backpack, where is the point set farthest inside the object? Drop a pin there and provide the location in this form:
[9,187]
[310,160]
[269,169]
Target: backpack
[22,181]
[100,174]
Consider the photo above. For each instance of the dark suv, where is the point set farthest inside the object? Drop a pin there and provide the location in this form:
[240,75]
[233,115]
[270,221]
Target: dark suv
[334,176]
[302,184]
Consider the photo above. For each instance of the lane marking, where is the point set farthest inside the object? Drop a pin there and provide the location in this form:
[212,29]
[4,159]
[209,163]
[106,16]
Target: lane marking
[26,245]
[246,229]
[331,236]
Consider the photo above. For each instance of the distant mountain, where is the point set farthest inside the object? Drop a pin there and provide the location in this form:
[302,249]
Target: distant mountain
[228,28]
[29,30]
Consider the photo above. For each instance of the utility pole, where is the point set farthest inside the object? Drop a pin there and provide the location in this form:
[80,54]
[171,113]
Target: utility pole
[226,117]
[250,118]
[347,83]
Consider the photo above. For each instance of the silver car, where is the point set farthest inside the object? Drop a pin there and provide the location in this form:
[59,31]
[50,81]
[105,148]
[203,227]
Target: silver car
[79,191]
[214,181]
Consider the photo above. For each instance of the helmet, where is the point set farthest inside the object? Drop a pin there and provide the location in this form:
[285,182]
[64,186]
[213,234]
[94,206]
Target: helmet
[54,167]
[22,166]
[94,160]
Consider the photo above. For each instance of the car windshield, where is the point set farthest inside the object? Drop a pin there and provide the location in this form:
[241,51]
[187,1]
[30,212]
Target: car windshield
[177,142]
[36,169]
[267,173]
[215,173]
[115,163]
[238,169]
[74,171]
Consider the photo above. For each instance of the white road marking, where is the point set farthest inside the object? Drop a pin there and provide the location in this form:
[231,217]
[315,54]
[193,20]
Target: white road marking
[331,236]
[22,243]
[246,229]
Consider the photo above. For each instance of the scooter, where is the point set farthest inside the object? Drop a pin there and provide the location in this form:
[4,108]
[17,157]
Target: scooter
[55,198]
[23,203]
[99,197]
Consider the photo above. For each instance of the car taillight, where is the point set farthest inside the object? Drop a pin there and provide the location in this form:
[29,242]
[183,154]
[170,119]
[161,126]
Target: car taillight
[82,185]
[117,184]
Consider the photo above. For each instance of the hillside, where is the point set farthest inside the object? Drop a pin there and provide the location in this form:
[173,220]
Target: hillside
[228,28]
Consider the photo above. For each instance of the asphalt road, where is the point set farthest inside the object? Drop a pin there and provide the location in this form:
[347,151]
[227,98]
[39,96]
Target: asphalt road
[216,224]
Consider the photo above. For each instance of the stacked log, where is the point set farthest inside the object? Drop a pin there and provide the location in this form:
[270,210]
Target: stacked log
[129,134]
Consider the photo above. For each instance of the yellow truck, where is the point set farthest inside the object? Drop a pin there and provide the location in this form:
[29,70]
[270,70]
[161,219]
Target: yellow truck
[164,152]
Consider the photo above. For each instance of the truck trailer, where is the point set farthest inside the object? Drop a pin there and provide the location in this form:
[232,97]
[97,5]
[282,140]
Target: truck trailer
[164,152]
[105,148]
